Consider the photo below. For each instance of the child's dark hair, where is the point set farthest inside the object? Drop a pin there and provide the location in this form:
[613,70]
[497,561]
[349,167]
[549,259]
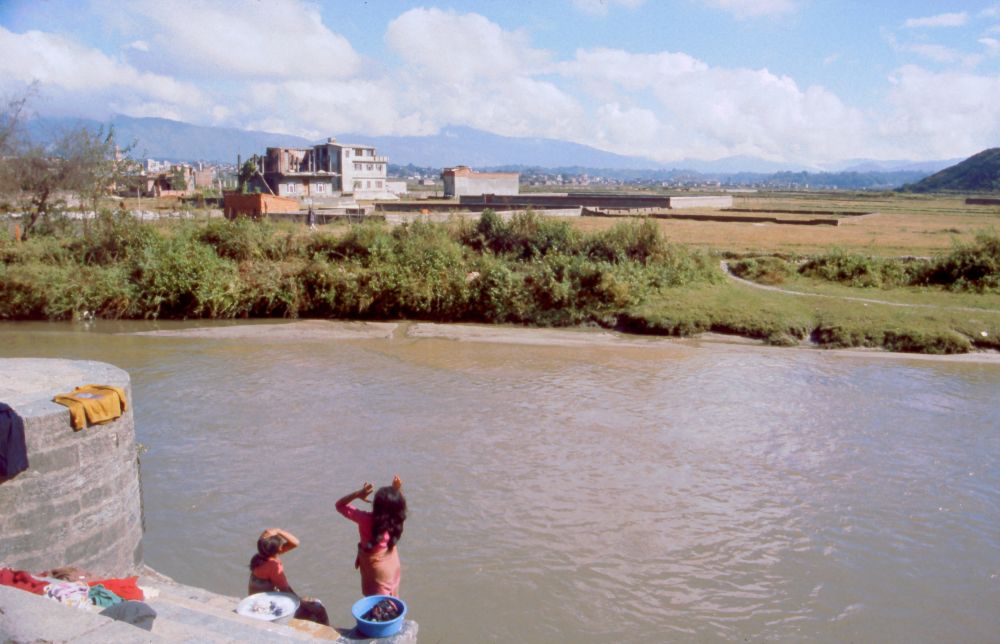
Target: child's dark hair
[266,548]
[388,515]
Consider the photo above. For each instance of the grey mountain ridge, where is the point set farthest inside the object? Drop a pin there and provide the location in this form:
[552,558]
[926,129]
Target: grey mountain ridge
[169,140]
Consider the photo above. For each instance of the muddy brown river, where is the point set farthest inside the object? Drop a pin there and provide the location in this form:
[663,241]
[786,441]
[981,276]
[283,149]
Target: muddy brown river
[574,486]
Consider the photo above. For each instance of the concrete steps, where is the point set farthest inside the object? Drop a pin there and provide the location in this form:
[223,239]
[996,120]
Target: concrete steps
[183,614]
[189,614]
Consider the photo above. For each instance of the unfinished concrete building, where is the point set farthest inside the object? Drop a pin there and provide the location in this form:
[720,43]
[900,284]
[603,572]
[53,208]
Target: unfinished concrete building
[324,171]
[463,181]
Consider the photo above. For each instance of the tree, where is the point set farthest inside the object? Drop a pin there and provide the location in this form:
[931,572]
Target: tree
[177,179]
[247,171]
[78,160]
[12,137]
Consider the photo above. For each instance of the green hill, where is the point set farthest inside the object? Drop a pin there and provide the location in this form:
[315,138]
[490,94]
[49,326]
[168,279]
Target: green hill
[978,173]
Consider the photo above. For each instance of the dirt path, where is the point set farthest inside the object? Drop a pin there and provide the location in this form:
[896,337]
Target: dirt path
[864,300]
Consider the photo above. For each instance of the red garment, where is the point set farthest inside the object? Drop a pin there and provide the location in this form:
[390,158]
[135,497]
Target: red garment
[272,571]
[126,588]
[23,580]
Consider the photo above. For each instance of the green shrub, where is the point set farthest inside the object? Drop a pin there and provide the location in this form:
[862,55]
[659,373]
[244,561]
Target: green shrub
[937,342]
[496,293]
[113,237]
[244,239]
[969,267]
[368,241]
[765,270]
[861,271]
[179,277]
[527,236]
[628,241]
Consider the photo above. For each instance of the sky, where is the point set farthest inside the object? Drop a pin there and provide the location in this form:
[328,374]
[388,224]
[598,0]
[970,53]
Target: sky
[812,82]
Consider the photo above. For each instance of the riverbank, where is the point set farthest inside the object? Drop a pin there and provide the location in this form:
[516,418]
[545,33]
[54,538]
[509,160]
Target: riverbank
[180,613]
[332,330]
[529,271]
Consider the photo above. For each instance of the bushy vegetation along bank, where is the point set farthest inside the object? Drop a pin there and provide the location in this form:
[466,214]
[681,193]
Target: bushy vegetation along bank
[529,270]
[973,267]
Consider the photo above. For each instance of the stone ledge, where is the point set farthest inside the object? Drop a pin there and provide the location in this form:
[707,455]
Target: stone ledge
[25,617]
[39,379]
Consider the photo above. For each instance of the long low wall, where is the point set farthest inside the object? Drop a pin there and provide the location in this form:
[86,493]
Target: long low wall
[397,218]
[566,201]
[588,200]
[79,502]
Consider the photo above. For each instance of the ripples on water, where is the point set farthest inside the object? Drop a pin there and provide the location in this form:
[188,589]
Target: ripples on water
[583,494]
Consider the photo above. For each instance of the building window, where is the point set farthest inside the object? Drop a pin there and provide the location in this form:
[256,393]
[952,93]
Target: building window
[378,184]
[370,167]
[357,166]
[320,188]
[369,184]
[357,185]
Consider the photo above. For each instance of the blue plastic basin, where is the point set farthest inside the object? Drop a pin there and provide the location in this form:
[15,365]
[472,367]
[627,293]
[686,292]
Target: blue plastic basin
[378,629]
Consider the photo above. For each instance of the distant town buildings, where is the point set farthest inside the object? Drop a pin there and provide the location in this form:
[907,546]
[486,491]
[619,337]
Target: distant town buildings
[326,170]
[463,181]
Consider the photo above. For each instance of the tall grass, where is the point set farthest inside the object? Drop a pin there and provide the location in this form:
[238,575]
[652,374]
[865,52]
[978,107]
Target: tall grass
[972,267]
[528,270]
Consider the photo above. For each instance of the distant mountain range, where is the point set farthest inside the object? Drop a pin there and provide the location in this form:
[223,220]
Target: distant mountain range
[167,140]
[978,173]
[164,139]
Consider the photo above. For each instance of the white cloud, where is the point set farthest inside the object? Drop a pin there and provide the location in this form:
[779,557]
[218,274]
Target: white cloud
[932,51]
[753,8]
[68,68]
[138,45]
[464,68]
[316,109]
[712,111]
[941,114]
[600,7]
[990,12]
[992,45]
[941,54]
[462,47]
[941,20]
[274,39]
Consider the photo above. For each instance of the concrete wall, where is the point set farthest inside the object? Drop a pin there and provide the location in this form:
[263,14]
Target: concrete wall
[567,201]
[480,183]
[705,201]
[257,204]
[598,200]
[79,500]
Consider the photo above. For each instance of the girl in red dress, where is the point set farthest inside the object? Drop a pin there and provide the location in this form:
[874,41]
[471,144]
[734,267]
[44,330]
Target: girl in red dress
[379,532]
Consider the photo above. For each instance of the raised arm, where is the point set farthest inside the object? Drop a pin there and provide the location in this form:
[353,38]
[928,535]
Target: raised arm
[290,540]
[344,502]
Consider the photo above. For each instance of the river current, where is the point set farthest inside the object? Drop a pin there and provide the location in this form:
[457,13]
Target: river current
[576,491]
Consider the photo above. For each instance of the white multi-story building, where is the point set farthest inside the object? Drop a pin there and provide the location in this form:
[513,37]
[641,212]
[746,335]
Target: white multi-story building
[325,170]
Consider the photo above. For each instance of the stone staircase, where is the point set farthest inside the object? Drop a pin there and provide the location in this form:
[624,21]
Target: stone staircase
[183,614]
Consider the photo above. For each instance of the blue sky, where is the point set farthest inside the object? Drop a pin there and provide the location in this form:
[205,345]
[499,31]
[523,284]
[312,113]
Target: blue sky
[804,81]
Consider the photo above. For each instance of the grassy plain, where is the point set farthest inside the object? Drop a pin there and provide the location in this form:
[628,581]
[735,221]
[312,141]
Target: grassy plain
[798,309]
[899,225]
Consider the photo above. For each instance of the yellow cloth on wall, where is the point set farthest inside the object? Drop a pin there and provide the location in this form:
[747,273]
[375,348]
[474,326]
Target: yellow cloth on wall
[93,404]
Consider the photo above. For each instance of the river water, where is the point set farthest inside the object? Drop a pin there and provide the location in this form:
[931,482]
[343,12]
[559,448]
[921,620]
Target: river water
[577,491]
